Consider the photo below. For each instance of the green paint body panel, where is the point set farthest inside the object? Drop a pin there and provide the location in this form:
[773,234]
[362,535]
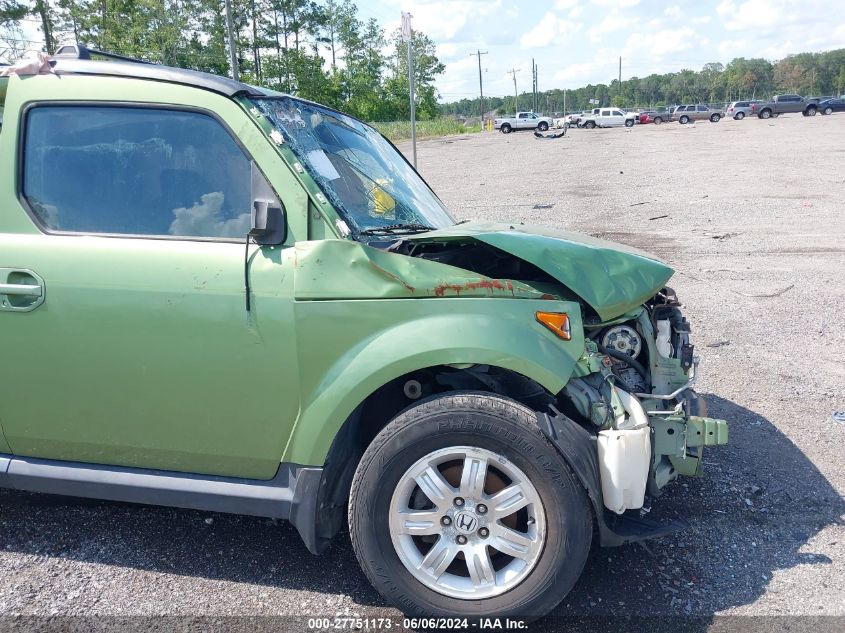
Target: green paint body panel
[610,278]
[143,354]
[340,269]
[349,348]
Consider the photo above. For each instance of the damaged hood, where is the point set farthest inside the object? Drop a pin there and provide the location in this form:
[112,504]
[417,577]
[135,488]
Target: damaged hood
[611,278]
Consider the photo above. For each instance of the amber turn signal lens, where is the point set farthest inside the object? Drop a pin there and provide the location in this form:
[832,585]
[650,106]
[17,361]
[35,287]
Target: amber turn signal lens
[557,322]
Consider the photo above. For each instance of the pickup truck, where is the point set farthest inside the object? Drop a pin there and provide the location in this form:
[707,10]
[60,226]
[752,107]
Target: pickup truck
[785,104]
[219,297]
[609,117]
[523,121]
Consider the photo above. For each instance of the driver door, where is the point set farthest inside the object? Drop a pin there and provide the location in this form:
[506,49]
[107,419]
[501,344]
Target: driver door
[142,352]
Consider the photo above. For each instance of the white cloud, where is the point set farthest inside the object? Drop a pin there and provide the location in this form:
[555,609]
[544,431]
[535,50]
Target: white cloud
[673,12]
[445,20]
[574,73]
[660,43]
[752,14]
[547,31]
[562,5]
[206,218]
[616,3]
[610,24]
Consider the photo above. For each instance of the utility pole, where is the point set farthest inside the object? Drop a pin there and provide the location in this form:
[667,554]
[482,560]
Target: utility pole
[408,35]
[620,76]
[233,54]
[536,87]
[513,72]
[533,86]
[478,54]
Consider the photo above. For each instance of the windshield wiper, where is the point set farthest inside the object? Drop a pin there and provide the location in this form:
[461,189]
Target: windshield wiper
[391,229]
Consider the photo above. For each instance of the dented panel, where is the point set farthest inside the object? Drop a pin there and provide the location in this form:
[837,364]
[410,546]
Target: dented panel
[610,278]
[338,269]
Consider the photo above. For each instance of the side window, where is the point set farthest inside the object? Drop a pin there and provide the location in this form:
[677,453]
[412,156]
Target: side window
[523,116]
[605,113]
[702,108]
[135,171]
[617,113]
[680,109]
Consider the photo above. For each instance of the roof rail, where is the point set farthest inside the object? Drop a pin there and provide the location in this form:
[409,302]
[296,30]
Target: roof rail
[77,51]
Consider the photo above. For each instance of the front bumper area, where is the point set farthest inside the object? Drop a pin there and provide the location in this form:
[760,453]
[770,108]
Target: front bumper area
[578,447]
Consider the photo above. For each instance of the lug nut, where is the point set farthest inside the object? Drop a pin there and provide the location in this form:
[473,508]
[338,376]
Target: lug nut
[484,532]
[481,509]
[446,521]
[461,539]
[458,502]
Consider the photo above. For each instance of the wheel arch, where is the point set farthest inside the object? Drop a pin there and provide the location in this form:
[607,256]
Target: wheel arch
[484,332]
[383,405]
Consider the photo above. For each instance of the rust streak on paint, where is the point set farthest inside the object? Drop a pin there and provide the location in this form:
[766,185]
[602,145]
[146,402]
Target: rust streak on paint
[490,285]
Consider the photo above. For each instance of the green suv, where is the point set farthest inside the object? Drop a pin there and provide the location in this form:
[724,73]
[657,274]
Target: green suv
[220,298]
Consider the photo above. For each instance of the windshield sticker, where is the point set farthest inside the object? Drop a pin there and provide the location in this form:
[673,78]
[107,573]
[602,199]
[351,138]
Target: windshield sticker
[321,163]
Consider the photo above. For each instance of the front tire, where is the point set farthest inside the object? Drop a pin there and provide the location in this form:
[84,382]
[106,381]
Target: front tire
[543,127]
[714,118]
[462,507]
[629,123]
[658,120]
[590,125]
[811,111]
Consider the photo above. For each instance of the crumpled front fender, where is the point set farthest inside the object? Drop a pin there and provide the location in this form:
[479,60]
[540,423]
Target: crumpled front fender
[350,348]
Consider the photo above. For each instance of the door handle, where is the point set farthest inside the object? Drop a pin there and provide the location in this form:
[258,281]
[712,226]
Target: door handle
[21,290]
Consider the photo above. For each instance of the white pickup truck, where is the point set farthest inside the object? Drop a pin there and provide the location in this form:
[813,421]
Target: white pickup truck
[523,121]
[609,117]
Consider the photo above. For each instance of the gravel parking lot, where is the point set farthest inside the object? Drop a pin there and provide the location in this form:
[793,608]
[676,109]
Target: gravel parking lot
[751,215]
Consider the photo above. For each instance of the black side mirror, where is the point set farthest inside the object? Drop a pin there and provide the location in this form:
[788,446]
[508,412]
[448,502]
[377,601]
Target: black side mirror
[269,224]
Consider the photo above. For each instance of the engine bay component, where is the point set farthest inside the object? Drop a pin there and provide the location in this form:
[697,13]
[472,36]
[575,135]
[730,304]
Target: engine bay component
[629,375]
[623,338]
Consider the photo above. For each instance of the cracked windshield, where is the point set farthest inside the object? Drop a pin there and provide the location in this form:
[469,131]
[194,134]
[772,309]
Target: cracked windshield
[362,174]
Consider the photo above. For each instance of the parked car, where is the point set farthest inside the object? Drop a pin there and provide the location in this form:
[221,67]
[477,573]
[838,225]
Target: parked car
[740,109]
[649,116]
[523,121]
[686,113]
[829,106]
[609,117]
[661,116]
[785,104]
[478,398]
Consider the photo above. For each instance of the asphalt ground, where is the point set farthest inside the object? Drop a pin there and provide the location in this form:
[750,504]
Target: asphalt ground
[751,215]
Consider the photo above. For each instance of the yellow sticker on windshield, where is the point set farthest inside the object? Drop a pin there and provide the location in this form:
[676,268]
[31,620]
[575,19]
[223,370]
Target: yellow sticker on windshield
[383,202]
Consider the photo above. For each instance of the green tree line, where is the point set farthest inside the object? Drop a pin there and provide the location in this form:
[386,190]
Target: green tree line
[322,51]
[808,74]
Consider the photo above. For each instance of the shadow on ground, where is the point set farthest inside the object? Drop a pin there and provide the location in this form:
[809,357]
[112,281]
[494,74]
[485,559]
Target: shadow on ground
[758,504]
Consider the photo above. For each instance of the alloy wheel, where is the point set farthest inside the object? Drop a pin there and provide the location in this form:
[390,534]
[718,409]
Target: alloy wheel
[467,523]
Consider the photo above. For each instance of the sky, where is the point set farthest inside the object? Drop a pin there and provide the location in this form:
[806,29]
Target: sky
[576,42]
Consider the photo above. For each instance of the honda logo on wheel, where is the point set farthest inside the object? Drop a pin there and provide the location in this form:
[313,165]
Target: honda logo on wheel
[466,522]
